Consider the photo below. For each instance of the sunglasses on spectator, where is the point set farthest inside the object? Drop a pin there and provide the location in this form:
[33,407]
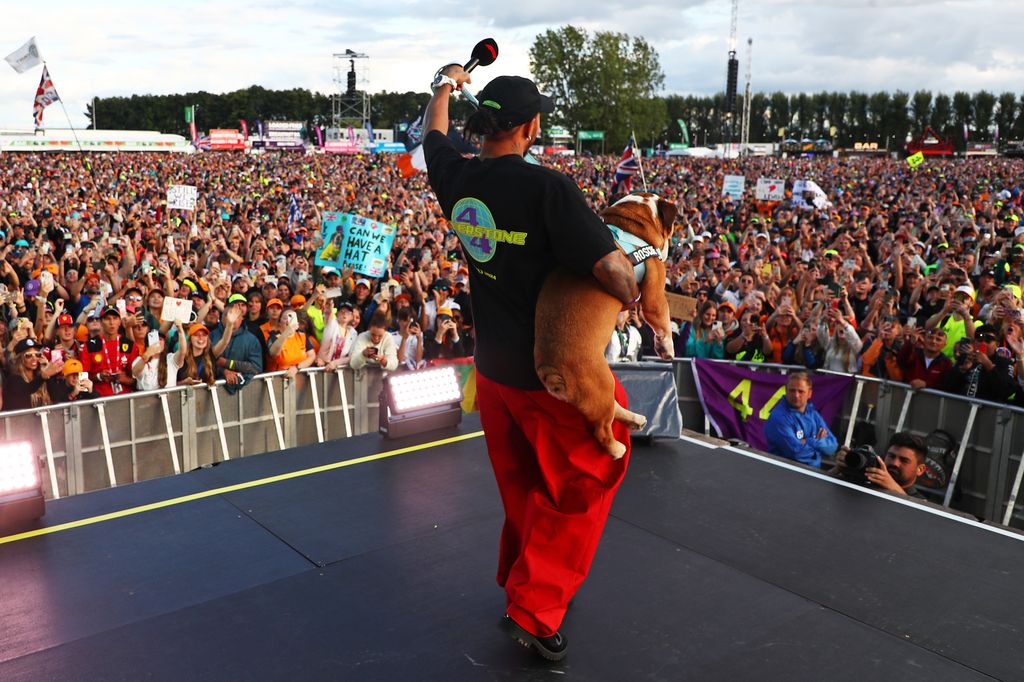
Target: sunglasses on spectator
[987,337]
[31,356]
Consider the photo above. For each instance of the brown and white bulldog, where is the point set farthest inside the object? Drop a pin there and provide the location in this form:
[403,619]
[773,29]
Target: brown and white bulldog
[576,318]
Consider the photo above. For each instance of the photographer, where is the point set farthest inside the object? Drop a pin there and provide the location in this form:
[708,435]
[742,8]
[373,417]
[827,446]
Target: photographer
[982,369]
[795,430]
[445,343]
[750,343]
[897,473]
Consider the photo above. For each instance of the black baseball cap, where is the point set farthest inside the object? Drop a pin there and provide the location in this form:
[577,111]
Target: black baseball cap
[515,100]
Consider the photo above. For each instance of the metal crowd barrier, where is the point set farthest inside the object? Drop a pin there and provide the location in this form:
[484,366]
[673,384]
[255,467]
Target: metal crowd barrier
[96,444]
[988,470]
[132,437]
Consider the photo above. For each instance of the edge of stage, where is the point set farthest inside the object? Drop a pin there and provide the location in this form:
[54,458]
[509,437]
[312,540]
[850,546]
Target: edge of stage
[370,559]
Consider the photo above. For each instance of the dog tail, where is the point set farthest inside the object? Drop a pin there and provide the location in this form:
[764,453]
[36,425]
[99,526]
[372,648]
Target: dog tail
[553,381]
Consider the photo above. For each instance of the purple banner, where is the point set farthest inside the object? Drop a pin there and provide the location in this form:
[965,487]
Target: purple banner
[738,400]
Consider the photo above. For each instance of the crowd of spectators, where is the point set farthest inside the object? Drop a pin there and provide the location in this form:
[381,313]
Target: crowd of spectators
[908,275]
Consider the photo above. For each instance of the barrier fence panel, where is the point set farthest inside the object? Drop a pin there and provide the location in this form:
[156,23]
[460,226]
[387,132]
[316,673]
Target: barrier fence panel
[989,436]
[92,445]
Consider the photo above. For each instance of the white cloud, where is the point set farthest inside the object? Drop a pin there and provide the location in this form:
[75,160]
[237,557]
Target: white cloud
[122,48]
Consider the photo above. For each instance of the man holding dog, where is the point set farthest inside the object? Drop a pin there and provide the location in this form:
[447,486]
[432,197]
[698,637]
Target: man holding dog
[517,221]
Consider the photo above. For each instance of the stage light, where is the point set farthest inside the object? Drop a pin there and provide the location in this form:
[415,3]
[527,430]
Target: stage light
[424,400]
[21,485]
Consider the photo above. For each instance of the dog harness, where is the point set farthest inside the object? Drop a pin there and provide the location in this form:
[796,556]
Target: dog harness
[636,249]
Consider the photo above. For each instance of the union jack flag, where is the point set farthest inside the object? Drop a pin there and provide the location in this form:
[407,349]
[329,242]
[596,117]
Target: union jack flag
[627,167]
[46,95]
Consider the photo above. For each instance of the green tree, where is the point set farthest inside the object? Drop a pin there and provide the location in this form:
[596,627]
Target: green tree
[962,110]
[983,109]
[942,114]
[1006,119]
[606,81]
[921,109]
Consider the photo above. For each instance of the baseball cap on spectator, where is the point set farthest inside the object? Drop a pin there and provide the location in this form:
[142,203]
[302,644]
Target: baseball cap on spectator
[514,100]
[726,304]
[22,243]
[1014,289]
[329,272]
[25,344]
[108,311]
[444,311]
[446,265]
[831,252]
[763,235]
[403,297]
[65,319]
[988,273]
[237,298]
[198,328]
[275,301]
[365,282]
[298,300]
[712,254]
[698,238]
[965,289]
[72,366]
[1019,231]
[347,304]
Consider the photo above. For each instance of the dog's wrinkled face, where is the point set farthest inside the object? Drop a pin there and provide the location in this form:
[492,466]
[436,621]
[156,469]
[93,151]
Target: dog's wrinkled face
[661,210]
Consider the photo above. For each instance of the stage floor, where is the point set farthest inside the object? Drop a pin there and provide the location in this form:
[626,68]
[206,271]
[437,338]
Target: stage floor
[715,565]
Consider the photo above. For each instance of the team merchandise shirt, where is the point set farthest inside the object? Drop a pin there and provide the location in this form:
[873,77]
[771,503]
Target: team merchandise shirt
[103,356]
[516,222]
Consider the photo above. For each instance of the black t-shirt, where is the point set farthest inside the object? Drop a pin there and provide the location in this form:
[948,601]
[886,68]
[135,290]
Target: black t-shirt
[516,222]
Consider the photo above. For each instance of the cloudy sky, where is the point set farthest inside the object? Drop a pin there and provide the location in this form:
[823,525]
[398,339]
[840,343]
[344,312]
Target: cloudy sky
[107,48]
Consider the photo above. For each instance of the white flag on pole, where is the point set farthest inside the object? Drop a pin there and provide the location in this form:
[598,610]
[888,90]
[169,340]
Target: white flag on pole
[25,57]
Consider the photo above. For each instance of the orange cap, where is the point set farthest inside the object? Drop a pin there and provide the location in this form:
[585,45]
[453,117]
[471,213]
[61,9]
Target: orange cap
[275,301]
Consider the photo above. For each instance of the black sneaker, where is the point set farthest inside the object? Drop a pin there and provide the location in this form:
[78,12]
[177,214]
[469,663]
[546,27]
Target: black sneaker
[553,648]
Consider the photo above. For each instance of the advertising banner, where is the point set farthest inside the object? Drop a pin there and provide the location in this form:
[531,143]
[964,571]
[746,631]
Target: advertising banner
[355,241]
[738,400]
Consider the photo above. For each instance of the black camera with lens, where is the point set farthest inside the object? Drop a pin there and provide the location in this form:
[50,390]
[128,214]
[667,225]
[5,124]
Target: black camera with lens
[856,461]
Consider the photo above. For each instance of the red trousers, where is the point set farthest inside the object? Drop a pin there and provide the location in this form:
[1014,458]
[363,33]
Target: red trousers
[557,486]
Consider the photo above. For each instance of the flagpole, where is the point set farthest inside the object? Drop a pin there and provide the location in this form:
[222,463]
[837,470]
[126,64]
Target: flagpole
[640,163]
[65,110]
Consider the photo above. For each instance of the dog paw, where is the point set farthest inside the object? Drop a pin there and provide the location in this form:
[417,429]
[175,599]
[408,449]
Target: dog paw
[638,422]
[616,450]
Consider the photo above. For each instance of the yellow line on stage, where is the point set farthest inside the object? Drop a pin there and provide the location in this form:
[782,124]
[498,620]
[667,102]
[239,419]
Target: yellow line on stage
[232,488]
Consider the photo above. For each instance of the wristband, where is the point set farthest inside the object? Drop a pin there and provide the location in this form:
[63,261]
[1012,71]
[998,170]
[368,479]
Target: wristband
[231,364]
[634,301]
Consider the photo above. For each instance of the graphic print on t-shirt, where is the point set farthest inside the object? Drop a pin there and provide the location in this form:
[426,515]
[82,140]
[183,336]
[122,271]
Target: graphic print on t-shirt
[473,222]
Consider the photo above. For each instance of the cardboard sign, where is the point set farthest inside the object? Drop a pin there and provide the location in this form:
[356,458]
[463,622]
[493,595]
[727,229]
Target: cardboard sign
[915,160]
[182,196]
[681,307]
[732,185]
[354,241]
[770,189]
[177,310]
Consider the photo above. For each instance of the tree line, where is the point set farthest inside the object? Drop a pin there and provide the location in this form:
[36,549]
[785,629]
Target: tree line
[611,82]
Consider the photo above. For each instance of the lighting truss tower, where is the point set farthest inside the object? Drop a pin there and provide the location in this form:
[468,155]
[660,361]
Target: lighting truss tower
[747,93]
[731,77]
[350,105]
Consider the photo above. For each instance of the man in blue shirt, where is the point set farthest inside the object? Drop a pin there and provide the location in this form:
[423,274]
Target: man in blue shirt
[795,429]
